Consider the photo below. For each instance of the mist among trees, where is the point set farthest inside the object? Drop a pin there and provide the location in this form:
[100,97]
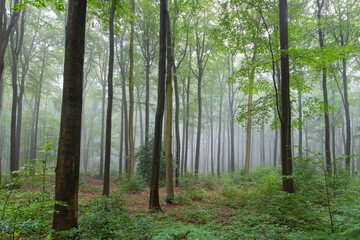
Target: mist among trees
[179,119]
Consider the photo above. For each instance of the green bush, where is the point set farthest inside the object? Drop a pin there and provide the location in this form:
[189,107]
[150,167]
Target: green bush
[233,178]
[135,184]
[208,181]
[143,158]
[188,180]
[105,218]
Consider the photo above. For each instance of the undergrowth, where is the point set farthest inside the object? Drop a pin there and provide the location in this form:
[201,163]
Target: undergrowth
[206,207]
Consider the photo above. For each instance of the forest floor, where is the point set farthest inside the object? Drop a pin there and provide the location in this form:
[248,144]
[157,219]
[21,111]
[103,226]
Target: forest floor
[203,208]
[208,209]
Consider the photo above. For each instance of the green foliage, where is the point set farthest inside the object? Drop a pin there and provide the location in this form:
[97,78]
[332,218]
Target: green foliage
[25,212]
[208,181]
[58,4]
[143,158]
[182,231]
[105,218]
[188,180]
[133,185]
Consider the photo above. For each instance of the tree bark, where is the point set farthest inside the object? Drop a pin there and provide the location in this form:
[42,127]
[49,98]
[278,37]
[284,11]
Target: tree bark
[131,162]
[106,182]
[300,124]
[201,56]
[219,137]
[67,170]
[155,167]
[5,31]
[286,158]
[17,37]
[325,94]
[123,101]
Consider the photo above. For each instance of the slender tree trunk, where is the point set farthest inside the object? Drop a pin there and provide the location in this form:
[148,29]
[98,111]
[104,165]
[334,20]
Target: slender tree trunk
[249,119]
[16,38]
[219,137]
[275,144]
[183,136]
[131,162]
[147,101]
[123,101]
[187,118]
[198,136]
[306,138]
[5,32]
[333,131]
[155,167]
[121,143]
[106,188]
[102,140]
[286,158]
[67,170]
[177,130]
[325,95]
[37,110]
[262,144]
[140,117]
[347,117]
[169,110]
[300,125]
[211,137]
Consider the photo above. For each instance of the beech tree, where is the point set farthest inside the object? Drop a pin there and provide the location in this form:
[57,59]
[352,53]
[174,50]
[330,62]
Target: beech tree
[131,163]
[67,169]
[286,157]
[154,182]
[106,189]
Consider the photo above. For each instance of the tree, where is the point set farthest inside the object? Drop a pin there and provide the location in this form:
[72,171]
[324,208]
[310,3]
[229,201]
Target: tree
[131,162]
[124,119]
[320,5]
[202,57]
[106,189]
[5,31]
[286,158]
[147,44]
[154,183]
[169,112]
[67,169]
[16,38]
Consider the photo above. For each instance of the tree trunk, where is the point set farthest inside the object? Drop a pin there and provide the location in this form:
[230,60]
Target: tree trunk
[67,170]
[249,120]
[155,167]
[106,188]
[198,136]
[324,80]
[5,31]
[37,110]
[140,116]
[123,101]
[187,118]
[262,144]
[131,162]
[102,140]
[201,64]
[286,158]
[17,37]
[300,124]
[169,109]
[347,117]
[177,130]
[219,137]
